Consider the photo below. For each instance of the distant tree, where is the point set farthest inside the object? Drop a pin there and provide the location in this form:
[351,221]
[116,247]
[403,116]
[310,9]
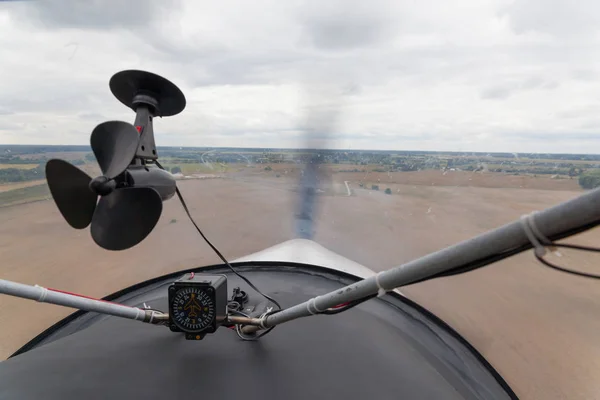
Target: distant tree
[590,180]
[574,171]
[388,191]
[176,170]
[21,175]
[268,168]
[374,187]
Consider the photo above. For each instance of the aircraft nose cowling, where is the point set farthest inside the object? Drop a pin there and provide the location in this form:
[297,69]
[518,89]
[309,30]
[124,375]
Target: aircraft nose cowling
[309,252]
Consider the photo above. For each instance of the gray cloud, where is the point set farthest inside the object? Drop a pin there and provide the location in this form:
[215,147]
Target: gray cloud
[93,14]
[585,75]
[400,71]
[504,90]
[580,112]
[571,136]
[497,92]
[93,116]
[346,25]
[5,110]
[556,17]
[9,126]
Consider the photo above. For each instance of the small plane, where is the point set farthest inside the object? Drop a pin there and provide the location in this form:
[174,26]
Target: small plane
[293,321]
[192,306]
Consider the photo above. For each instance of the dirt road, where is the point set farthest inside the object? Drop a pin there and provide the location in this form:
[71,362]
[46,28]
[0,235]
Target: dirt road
[539,328]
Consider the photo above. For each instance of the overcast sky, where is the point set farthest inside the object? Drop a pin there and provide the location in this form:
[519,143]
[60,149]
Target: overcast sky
[466,75]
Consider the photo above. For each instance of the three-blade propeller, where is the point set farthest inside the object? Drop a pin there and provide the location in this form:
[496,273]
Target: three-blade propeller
[321,119]
[125,214]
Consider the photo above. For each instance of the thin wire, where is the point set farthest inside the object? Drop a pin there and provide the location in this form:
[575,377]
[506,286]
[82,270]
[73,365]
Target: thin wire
[352,304]
[466,268]
[234,306]
[238,329]
[570,271]
[217,252]
[487,261]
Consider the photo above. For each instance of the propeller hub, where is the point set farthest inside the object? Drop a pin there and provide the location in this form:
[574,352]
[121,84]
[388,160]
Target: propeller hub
[147,99]
[102,185]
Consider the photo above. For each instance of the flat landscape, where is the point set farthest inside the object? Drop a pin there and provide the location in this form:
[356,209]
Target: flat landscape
[538,327]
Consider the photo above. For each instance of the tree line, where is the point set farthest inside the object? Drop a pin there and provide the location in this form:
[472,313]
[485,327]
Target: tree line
[12,175]
[590,179]
[8,175]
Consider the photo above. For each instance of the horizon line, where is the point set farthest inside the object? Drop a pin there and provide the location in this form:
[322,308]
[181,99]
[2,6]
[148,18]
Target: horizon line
[309,148]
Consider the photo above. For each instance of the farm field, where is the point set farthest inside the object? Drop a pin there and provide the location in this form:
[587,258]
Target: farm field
[536,326]
[18,166]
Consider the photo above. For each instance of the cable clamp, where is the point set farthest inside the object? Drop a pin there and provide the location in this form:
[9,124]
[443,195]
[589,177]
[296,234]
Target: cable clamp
[311,307]
[535,236]
[140,315]
[381,290]
[267,312]
[43,293]
[315,305]
[263,317]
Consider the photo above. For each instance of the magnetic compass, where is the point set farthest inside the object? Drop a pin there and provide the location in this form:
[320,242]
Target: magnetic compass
[197,304]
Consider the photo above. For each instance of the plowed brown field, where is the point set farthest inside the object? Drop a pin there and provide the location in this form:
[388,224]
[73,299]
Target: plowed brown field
[538,327]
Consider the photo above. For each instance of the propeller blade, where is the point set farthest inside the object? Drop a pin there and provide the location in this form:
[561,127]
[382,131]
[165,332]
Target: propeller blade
[71,192]
[125,217]
[321,120]
[309,183]
[114,144]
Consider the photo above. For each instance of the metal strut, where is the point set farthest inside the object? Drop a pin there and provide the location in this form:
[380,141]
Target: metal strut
[53,296]
[565,219]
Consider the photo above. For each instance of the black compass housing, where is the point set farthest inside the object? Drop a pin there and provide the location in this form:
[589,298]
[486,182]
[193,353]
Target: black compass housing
[197,304]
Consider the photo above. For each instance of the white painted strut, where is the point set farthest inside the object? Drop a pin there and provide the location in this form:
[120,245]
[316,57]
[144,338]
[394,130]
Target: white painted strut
[560,221]
[52,296]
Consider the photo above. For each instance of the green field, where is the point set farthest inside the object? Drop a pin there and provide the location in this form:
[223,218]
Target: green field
[18,166]
[197,168]
[24,195]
